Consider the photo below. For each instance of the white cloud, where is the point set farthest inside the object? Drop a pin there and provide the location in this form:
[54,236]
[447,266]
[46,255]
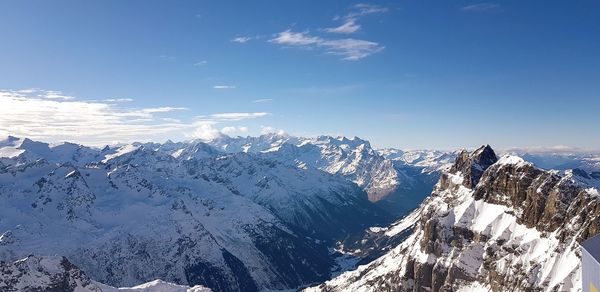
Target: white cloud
[171,120]
[241,39]
[348,48]
[163,109]
[32,114]
[349,26]
[352,49]
[264,130]
[262,100]
[236,116]
[53,94]
[232,130]
[204,131]
[357,11]
[480,7]
[201,63]
[88,122]
[224,87]
[361,9]
[119,100]
[291,38]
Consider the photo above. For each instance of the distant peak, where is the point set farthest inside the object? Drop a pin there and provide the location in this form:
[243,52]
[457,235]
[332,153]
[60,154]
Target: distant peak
[10,138]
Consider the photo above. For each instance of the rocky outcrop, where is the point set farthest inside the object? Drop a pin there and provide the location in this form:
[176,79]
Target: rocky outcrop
[471,165]
[498,225]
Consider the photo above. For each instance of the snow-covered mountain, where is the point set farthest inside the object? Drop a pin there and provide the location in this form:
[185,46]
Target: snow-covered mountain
[58,274]
[589,162]
[181,212]
[428,160]
[397,182]
[490,225]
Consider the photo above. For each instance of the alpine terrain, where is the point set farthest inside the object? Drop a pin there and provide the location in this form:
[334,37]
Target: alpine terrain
[491,224]
[180,212]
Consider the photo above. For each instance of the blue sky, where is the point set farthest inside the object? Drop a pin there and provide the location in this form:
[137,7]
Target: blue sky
[408,74]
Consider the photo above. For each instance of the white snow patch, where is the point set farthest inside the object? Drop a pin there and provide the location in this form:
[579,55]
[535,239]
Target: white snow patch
[123,150]
[511,159]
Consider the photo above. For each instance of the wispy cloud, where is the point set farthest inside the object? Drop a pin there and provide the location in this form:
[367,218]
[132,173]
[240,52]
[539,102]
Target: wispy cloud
[241,39]
[361,9]
[481,7]
[200,63]
[44,94]
[349,26]
[40,115]
[222,117]
[262,100]
[291,38]
[119,99]
[167,57]
[224,87]
[347,48]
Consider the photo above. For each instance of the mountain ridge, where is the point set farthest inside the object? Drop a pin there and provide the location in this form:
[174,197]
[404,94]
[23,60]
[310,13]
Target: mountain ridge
[488,227]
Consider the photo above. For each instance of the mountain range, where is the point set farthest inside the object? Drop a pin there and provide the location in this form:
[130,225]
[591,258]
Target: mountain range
[278,212]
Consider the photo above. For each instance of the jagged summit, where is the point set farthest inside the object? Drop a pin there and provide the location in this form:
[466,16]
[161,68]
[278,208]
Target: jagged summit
[484,155]
[472,164]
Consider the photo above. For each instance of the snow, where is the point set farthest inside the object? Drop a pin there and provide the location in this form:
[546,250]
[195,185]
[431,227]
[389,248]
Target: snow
[404,224]
[475,287]
[162,286]
[10,152]
[546,260]
[511,159]
[592,192]
[183,208]
[121,151]
[35,273]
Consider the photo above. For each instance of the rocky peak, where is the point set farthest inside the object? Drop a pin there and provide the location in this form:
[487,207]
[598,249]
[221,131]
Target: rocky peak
[472,164]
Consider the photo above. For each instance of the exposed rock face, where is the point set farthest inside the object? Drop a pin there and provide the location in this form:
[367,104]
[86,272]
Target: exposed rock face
[472,165]
[498,225]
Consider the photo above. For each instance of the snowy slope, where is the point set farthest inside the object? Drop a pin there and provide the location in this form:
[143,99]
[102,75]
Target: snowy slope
[58,274]
[490,225]
[182,213]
